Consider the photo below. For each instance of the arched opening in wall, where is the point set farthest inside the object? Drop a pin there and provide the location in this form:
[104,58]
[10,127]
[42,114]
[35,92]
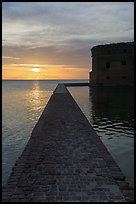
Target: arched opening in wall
[107,77]
[124,63]
[124,77]
[107,64]
[124,50]
[100,84]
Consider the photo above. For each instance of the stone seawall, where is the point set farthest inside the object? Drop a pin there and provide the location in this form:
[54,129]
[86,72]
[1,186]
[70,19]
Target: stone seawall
[65,160]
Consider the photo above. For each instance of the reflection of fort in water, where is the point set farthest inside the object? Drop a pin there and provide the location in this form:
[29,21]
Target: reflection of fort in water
[115,104]
[113,64]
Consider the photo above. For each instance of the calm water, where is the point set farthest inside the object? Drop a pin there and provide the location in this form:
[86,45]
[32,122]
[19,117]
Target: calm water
[110,111]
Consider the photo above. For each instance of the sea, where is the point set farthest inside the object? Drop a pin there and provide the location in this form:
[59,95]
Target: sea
[110,110]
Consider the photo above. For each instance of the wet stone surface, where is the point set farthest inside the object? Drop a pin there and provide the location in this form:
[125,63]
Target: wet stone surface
[65,160]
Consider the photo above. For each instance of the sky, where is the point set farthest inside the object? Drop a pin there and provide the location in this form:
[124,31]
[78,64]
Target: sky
[52,40]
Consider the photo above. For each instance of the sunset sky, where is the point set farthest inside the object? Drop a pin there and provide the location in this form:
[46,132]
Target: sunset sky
[52,40]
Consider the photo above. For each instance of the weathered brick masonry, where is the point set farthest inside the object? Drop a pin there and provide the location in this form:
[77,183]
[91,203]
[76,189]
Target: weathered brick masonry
[65,160]
[113,65]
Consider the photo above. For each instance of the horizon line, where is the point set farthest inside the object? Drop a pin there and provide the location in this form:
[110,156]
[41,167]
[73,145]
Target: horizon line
[39,79]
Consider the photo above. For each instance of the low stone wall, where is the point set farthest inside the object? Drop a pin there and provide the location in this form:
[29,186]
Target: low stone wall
[65,160]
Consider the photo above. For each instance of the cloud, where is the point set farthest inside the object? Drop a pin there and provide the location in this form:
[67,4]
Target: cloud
[48,55]
[57,22]
[62,32]
[9,57]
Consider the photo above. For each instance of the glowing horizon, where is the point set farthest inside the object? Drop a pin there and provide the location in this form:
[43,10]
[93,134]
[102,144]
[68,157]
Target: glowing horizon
[35,72]
[52,40]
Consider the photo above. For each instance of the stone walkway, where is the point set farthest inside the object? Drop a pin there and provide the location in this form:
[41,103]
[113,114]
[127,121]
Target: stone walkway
[65,160]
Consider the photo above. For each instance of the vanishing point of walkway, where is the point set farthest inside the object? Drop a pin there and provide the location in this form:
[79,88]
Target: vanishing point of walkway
[65,160]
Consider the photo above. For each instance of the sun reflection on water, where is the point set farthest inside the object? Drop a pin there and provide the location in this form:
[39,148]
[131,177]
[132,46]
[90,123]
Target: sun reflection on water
[36,100]
[22,105]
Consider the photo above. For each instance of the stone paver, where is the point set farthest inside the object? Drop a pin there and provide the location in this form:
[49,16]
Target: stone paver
[65,160]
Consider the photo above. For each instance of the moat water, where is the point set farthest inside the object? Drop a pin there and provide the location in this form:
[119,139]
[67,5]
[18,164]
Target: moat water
[109,110]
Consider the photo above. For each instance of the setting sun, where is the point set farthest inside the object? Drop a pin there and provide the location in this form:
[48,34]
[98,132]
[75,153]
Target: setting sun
[35,69]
